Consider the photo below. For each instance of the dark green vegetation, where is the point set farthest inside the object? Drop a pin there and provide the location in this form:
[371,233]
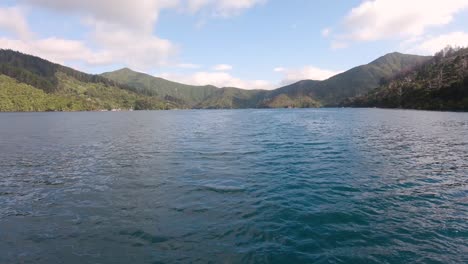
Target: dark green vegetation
[186,95]
[308,93]
[355,82]
[438,84]
[15,96]
[29,83]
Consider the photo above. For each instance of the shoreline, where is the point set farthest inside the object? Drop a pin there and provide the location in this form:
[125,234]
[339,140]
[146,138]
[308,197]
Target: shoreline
[229,109]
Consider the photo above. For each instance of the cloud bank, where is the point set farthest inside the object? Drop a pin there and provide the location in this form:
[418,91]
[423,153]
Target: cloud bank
[396,20]
[120,31]
[218,79]
[305,73]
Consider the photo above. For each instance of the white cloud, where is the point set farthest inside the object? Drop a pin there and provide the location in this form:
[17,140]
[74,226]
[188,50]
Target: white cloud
[335,45]
[222,67]
[432,45]
[188,66]
[57,50]
[396,19]
[305,73]
[138,51]
[12,20]
[54,49]
[121,31]
[223,8]
[135,49]
[138,15]
[219,79]
[326,32]
[225,79]
[142,14]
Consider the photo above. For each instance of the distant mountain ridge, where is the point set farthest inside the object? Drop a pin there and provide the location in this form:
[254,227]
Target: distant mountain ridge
[306,93]
[440,83]
[354,82]
[189,95]
[127,89]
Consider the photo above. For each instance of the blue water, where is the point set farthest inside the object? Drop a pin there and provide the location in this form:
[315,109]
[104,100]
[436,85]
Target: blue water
[237,186]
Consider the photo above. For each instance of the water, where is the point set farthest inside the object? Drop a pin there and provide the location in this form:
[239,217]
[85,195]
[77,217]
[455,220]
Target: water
[238,186]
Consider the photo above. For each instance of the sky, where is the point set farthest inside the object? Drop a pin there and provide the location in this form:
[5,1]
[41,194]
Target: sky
[250,44]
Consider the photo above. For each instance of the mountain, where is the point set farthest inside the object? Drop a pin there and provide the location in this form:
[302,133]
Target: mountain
[307,93]
[311,93]
[354,82]
[232,98]
[294,95]
[29,83]
[439,84]
[188,95]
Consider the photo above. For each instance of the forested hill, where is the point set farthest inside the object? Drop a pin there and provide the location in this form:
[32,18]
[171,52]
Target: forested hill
[354,82]
[439,84]
[307,93]
[41,73]
[190,95]
[29,83]
[60,88]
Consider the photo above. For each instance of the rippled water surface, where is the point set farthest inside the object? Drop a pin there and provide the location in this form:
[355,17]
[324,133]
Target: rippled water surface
[238,186]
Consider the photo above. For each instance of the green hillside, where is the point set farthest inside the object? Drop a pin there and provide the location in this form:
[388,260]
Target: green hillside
[296,101]
[21,97]
[73,96]
[232,98]
[65,89]
[149,85]
[30,83]
[310,93]
[355,82]
[439,84]
[294,95]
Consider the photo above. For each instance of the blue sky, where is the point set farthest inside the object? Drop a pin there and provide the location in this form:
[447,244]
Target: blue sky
[244,43]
